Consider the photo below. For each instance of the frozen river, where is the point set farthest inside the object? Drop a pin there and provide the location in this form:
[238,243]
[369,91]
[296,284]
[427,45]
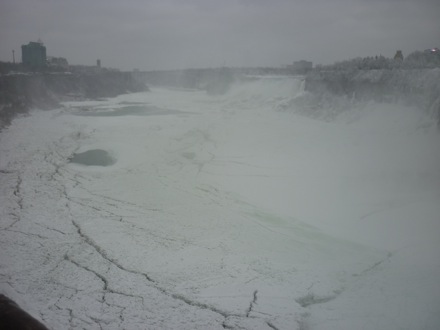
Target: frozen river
[174,209]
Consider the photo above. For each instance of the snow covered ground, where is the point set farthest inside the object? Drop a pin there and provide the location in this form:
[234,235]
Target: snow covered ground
[212,212]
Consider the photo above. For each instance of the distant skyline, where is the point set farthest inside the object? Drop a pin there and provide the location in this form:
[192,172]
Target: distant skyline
[177,34]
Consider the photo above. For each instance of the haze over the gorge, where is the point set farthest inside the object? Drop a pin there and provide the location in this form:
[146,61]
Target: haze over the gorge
[177,209]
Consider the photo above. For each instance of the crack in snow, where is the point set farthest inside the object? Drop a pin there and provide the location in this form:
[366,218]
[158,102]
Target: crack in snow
[197,304]
[375,265]
[70,315]
[270,325]
[17,219]
[27,234]
[251,304]
[17,192]
[97,321]
[48,228]
[102,278]
[103,254]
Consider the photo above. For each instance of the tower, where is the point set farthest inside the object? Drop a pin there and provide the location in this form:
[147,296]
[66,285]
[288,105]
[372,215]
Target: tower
[33,54]
[399,55]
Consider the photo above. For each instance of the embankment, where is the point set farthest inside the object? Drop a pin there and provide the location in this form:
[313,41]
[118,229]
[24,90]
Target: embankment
[21,92]
[416,87]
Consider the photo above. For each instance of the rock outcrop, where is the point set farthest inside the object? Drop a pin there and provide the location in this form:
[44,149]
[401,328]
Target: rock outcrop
[13,317]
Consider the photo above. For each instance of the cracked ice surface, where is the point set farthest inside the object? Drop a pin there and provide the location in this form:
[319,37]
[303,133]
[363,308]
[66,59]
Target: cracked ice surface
[220,213]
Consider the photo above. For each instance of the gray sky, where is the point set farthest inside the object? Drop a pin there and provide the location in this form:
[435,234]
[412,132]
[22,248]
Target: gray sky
[170,34]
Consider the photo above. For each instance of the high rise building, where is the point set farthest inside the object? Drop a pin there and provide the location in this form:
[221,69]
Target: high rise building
[33,54]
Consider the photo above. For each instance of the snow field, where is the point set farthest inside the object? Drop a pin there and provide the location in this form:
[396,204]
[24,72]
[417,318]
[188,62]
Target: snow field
[222,212]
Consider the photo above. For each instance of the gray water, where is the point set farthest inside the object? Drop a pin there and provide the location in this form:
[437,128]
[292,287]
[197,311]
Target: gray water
[94,157]
[131,110]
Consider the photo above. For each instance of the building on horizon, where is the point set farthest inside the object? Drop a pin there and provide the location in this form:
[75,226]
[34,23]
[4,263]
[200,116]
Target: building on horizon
[59,63]
[33,55]
[398,56]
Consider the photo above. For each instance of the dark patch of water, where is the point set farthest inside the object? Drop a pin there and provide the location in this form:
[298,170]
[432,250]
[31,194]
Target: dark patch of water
[131,110]
[94,157]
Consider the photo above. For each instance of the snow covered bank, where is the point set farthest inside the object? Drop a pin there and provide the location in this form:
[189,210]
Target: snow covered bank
[222,212]
[21,92]
[416,87]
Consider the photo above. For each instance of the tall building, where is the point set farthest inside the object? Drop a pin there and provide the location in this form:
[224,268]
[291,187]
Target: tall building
[33,54]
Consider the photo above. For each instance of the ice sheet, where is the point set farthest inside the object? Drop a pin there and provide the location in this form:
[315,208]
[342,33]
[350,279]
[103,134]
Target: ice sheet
[225,214]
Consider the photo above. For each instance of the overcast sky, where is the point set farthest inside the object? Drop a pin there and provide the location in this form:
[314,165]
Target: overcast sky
[170,34]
